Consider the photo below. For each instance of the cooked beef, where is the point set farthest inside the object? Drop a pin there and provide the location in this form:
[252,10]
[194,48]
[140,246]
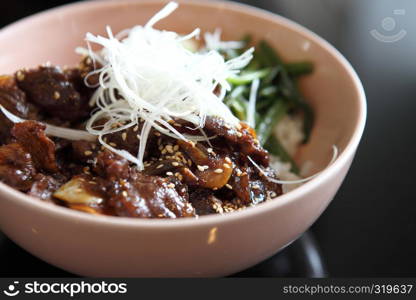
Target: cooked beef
[242,139]
[14,100]
[44,186]
[51,89]
[31,135]
[205,202]
[147,197]
[16,167]
[128,140]
[213,170]
[85,67]
[111,166]
[179,179]
[133,194]
[84,151]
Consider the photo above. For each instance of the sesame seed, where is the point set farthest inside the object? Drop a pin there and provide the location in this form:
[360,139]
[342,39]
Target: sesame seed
[138,136]
[239,134]
[169,173]
[56,95]
[92,182]
[124,193]
[175,148]
[209,150]
[124,136]
[228,186]
[169,148]
[200,168]
[256,187]
[227,166]
[239,172]
[171,185]
[113,144]
[159,166]
[228,160]
[175,164]
[136,128]
[88,152]
[189,162]
[20,76]
[218,208]
[218,171]
[157,133]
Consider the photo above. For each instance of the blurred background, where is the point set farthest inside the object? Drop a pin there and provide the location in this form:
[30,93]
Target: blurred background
[369,230]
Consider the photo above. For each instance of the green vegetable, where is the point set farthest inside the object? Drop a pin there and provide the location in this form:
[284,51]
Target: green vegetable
[278,95]
[239,108]
[288,86]
[269,91]
[266,125]
[268,79]
[297,69]
[248,76]
[267,55]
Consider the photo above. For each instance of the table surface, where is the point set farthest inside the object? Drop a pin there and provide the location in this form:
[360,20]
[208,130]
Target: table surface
[369,229]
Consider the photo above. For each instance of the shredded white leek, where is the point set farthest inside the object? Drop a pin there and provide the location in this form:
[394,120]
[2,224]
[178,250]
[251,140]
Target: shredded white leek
[51,130]
[69,134]
[213,42]
[10,116]
[148,75]
[251,110]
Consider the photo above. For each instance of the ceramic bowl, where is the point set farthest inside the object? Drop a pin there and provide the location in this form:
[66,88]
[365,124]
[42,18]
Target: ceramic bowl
[213,245]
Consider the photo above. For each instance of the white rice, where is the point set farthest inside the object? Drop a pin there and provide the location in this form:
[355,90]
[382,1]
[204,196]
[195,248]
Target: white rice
[290,134]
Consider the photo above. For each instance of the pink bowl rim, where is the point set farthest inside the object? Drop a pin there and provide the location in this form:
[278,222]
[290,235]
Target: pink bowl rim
[250,212]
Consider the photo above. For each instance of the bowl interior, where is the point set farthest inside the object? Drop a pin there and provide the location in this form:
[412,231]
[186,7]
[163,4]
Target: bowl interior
[331,90]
